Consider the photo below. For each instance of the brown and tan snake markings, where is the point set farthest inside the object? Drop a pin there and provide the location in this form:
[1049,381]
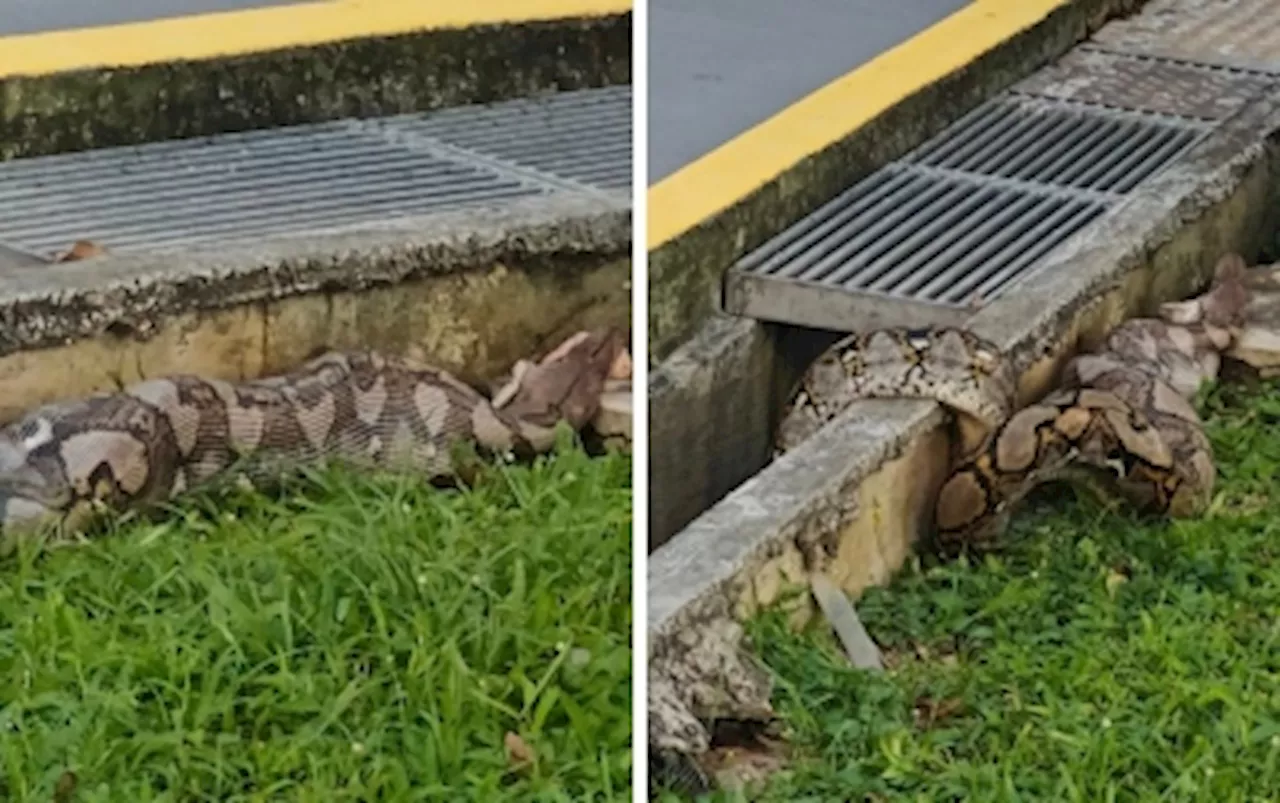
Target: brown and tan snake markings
[1120,422]
[65,462]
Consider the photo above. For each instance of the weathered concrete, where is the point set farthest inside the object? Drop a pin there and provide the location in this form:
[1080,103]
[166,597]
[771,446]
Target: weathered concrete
[712,404]
[369,77]
[851,501]
[692,404]
[470,291]
[685,274]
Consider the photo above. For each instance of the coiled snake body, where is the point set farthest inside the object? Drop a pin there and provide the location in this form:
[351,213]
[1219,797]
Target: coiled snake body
[64,462]
[1120,421]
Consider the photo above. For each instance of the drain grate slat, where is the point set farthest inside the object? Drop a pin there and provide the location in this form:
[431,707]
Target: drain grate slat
[103,200]
[915,269]
[780,256]
[1240,34]
[288,201]
[959,221]
[949,215]
[881,225]
[286,214]
[1023,245]
[1062,145]
[290,180]
[544,134]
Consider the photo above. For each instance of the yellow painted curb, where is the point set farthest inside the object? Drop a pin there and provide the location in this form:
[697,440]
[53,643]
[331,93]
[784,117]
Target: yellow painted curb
[751,160]
[207,36]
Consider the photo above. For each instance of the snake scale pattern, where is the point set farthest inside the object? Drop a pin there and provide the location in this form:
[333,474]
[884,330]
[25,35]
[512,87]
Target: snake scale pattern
[63,464]
[1120,422]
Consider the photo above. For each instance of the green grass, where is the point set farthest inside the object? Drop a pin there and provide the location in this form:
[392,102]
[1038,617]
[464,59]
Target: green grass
[1099,657]
[371,639]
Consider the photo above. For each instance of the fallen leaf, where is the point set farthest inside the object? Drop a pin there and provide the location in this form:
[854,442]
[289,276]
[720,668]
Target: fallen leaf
[621,366]
[83,249]
[519,753]
[929,712]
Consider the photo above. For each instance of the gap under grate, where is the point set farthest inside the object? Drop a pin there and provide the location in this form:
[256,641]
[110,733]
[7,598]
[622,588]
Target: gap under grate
[958,222]
[244,186]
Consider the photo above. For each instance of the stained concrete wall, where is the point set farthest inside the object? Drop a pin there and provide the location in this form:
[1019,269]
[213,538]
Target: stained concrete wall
[469,291]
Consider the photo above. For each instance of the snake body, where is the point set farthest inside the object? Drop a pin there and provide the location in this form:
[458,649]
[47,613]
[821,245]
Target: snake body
[1120,421]
[65,462]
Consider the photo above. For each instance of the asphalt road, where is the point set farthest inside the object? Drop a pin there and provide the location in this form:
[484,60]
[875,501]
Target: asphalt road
[35,16]
[719,67]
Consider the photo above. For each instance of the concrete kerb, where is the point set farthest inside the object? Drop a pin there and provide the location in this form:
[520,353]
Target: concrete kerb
[851,501]
[360,77]
[433,287]
[697,403]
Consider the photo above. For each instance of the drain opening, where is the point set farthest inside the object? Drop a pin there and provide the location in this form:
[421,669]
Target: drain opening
[961,220]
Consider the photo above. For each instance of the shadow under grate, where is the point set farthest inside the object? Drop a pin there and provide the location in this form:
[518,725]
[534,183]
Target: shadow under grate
[243,186]
[958,222]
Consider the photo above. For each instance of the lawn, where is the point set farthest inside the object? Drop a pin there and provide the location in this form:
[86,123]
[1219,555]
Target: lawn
[1099,657]
[364,638]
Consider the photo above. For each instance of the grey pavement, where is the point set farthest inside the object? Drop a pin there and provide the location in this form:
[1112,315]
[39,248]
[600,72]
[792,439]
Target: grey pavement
[36,16]
[719,67]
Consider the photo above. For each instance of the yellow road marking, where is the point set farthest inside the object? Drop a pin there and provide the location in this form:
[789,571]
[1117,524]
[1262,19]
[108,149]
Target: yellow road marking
[752,159]
[206,36]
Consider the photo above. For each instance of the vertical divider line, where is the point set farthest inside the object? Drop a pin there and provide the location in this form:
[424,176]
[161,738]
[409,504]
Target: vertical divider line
[640,406]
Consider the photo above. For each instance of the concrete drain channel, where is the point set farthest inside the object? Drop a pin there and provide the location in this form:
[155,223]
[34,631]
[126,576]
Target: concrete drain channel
[1089,192]
[465,237]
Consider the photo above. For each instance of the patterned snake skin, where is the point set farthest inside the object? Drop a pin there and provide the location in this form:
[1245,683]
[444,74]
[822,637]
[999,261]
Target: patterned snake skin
[1121,420]
[65,462]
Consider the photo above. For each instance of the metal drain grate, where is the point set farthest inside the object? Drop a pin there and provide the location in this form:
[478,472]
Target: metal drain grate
[245,186]
[958,222]
[904,247]
[584,136]
[1046,143]
[15,258]
[1147,84]
[1244,34]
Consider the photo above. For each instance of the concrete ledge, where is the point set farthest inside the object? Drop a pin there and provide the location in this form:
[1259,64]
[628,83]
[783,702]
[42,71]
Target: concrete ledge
[311,62]
[689,397]
[471,291]
[685,271]
[718,397]
[851,501]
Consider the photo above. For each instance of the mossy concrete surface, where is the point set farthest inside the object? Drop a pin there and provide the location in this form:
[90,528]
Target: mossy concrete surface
[469,291]
[412,72]
[685,274]
[691,397]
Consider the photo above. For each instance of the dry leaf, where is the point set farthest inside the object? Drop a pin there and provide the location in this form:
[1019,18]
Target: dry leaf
[83,249]
[929,712]
[519,753]
[621,367]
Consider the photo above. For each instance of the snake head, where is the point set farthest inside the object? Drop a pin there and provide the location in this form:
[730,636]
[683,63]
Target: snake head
[33,491]
[565,385]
